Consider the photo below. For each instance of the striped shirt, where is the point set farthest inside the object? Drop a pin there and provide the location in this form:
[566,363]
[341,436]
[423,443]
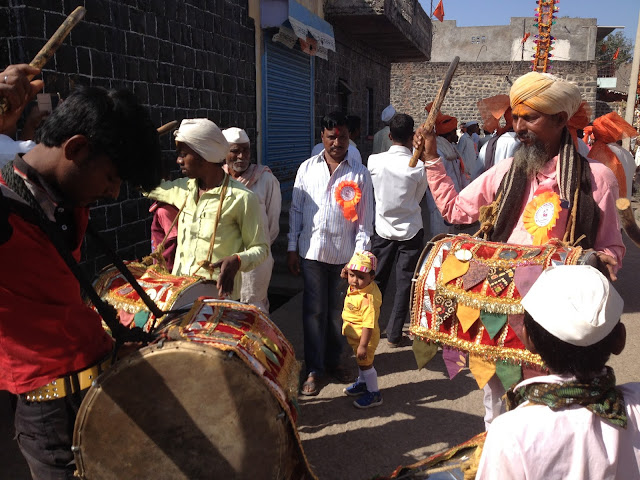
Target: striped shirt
[318,229]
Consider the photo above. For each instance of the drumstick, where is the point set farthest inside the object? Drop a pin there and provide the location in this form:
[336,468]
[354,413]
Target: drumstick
[435,109]
[628,220]
[46,52]
[167,127]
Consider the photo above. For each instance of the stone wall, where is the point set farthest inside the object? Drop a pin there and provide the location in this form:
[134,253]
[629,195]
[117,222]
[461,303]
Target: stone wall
[361,68]
[413,85]
[182,58]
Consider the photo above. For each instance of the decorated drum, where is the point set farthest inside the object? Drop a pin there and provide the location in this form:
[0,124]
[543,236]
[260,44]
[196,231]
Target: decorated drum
[166,290]
[218,402]
[466,299]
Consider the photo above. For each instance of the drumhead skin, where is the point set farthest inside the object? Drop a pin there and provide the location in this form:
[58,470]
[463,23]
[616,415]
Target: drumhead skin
[183,411]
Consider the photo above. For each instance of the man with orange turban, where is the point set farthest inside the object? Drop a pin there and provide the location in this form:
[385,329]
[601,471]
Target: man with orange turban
[606,131]
[545,165]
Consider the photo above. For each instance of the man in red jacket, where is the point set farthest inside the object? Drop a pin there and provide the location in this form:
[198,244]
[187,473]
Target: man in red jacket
[51,343]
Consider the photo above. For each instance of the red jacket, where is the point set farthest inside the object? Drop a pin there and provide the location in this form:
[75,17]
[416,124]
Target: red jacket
[46,330]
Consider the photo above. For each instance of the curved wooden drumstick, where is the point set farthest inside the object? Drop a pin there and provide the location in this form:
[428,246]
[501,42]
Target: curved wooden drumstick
[46,52]
[628,220]
[435,109]
[167,127]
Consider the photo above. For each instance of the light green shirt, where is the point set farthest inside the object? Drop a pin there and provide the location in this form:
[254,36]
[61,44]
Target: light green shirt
[239,230]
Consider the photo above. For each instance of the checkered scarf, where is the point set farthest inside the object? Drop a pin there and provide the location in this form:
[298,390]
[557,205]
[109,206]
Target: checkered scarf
[600,396]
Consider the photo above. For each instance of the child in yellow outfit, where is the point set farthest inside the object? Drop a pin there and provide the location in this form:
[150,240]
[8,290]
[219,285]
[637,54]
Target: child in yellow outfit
[360,326]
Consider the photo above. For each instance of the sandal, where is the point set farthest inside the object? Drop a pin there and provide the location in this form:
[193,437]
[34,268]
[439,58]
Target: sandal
[310,387]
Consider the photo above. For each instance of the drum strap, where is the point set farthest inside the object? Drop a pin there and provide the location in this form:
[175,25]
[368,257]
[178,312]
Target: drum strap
[32,212]
[206,264]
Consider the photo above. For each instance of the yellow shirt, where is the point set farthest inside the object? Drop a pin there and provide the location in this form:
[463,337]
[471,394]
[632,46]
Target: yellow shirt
[361,310]
[239,230]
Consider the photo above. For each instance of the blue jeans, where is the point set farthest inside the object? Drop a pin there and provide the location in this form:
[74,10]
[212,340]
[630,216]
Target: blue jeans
[322,303]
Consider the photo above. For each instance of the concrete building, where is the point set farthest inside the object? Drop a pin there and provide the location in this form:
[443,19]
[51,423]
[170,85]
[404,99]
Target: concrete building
[491,58]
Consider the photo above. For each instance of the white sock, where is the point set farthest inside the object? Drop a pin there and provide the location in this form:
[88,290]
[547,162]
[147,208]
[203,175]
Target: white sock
[371,379]
[361,377]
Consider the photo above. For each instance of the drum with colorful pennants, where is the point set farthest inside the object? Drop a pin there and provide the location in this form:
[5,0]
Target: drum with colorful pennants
[466,299]
[215,399]
[166,290]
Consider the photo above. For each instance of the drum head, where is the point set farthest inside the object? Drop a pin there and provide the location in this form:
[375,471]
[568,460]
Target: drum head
[182,411]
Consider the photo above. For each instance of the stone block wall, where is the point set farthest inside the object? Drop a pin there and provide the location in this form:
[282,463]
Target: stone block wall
[413,85]
[361,68]
[182,58]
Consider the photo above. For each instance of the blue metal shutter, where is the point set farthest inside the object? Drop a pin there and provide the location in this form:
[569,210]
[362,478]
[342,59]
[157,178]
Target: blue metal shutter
[287,124]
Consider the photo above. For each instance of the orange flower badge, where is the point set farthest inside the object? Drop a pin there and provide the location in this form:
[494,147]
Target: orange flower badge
[348,195]
[540,216]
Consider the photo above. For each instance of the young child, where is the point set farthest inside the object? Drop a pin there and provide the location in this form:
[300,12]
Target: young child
[360,326]
[574,423]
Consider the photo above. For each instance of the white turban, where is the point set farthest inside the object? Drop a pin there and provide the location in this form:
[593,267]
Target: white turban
[574,303]
[235,135]
[388,113]
[545,93]
[203,137]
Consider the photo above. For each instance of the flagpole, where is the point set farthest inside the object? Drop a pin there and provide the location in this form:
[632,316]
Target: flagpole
[431,11]
[633,83]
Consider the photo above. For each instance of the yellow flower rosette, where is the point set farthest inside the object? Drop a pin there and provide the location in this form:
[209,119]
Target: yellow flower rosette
[540,216]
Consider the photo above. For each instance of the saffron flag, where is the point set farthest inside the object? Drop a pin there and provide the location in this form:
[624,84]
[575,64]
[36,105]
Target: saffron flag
[526,36]
[439,12]
[615,55]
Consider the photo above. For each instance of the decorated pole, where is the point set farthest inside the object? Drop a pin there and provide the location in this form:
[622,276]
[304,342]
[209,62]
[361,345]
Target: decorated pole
[545,18]
[435,109]
[49,49]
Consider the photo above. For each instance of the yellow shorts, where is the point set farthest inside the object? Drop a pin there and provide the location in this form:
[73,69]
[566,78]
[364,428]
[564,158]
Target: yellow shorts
[354,340]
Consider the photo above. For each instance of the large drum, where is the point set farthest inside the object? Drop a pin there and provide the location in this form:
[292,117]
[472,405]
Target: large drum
[220,402]
[466,299]
[168,291]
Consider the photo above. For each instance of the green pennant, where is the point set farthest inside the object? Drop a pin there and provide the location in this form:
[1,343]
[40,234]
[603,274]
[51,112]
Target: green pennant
[141,318]
[424,351]
[493,322]
[508,373]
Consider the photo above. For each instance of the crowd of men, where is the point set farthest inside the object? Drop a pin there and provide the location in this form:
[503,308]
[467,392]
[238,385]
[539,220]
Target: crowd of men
[220,219]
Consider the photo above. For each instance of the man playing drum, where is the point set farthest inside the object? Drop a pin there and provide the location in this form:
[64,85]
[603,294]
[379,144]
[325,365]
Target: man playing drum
[570,197]
[51,343]
[220,223]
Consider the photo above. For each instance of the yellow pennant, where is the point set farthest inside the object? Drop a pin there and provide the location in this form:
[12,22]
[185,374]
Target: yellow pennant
[467,316]
[481,369]
[452,268]
[423,351]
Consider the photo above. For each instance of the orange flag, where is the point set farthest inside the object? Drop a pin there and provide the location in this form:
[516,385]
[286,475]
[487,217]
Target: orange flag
[439,12]
[615,55]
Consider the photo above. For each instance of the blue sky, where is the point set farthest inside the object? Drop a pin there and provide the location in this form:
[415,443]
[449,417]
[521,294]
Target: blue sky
[469,13]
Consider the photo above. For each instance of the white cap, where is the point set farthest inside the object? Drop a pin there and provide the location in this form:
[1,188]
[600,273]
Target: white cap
[235,135]
[204,137]
[574,303]
[472,122]
[388,113]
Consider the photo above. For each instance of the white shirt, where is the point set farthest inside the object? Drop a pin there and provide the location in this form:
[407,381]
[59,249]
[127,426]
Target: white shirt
[398,189]
[628,163]
[534,442]
[318,229]
[267,189]
[467,150]
[354,153]
[381,140]
[9,148]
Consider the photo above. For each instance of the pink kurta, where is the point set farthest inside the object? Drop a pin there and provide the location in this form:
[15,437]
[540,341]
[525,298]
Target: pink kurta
[464,207]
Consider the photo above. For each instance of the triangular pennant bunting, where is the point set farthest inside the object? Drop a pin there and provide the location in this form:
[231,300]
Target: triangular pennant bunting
[481,369]
[508,373]
[454,360]
[477,273]
[499,278]
[493,322]
[516,322]
[467,316]
[524,277]
[452,268]
[444,307]
[423,351]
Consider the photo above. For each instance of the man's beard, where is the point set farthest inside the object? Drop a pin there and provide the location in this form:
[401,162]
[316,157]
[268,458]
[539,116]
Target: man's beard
[531,158]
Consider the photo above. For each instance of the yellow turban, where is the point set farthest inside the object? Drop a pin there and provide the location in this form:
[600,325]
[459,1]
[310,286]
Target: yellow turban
[545,93]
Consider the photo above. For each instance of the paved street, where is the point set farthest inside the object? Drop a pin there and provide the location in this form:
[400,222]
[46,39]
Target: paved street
[423,411]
